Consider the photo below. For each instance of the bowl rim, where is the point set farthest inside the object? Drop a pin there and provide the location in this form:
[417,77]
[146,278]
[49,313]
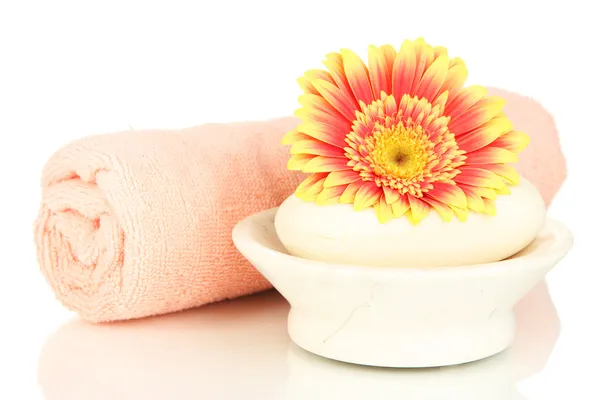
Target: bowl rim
[562,241]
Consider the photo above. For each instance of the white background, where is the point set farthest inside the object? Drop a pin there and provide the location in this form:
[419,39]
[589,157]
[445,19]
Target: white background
[68,69]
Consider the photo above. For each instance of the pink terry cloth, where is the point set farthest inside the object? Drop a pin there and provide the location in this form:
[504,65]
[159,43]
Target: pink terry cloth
[542,162]
[134,224]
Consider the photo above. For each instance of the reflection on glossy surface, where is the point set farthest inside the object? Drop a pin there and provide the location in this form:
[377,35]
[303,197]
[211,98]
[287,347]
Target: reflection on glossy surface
[240,349]
[213,352]
[312,378]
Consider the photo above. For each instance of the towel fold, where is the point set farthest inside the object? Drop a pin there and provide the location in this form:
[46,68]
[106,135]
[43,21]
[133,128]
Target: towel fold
[139,223]
[134,224]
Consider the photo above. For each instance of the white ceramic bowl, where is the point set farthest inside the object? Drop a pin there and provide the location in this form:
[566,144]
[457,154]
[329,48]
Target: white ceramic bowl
[400,317]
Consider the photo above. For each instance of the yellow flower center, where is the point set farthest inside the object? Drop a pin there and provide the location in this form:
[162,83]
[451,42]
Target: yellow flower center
[400,152]
[397,150]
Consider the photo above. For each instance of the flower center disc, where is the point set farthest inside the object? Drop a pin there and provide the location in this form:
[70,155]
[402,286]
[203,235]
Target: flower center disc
[399,151]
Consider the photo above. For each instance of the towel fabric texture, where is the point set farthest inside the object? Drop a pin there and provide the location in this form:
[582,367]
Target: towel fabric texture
[139,223]
[542,162]
[134,224]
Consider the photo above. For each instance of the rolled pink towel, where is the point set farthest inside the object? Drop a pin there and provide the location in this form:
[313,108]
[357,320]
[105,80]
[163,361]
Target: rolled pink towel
[139,223]
[542,162]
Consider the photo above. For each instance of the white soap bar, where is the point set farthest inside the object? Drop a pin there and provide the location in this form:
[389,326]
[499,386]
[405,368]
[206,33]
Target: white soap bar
[338,234]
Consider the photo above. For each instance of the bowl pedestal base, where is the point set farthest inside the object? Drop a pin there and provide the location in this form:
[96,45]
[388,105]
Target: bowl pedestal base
[364,337]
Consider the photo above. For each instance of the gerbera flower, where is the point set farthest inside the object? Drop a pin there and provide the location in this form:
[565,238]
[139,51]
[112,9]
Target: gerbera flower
[402,135]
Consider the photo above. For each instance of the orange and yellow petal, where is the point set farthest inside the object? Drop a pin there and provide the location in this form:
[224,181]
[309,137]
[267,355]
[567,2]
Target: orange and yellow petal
[403,71]
[317,110]
[442,209]
[323,132]
[415,109]
[461,213]
[305,81]
[309,189]
[297,162]
[337,178]
[464,100]
[326,164]
[455,78]
[474,200]
[317,107]
[480,113]
[400,206]
[305,86]
[418,210]
[389,56]
[504,190]
[366,196]
[433,79]
[378,71]
[448,194]
[335,65]
[484,134]
[389,104]
[439,51]
[480,191]
[334,96]
[491,155]
[358,77]
[391,195]
[316,147]
[310,114]
[505,171]
[513,141]
[383,210]
[479,177]
[330,195]
[437,127]
[314,74]
[350,192]
[294,136]
[441,100]
[389,53]
[490,207]
[425,55]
